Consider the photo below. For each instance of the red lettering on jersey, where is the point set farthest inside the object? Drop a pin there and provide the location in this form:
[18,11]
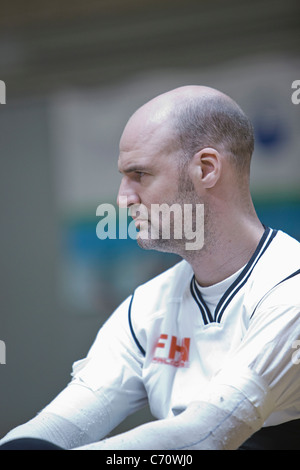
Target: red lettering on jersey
[161,345]
[183,349]
[178,352]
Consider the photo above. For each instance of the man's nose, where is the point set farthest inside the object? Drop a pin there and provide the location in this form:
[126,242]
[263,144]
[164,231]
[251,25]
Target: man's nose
[127,196]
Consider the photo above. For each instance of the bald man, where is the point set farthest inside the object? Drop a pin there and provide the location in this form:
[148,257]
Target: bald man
[211,344]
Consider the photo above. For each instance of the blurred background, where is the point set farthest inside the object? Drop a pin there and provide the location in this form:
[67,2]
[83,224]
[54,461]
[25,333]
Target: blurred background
[74,73]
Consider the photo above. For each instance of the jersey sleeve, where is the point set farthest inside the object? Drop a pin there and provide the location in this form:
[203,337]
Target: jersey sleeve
[265,367]
[106,387]
[112,369]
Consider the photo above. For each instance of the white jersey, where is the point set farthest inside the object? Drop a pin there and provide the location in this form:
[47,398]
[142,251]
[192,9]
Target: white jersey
[173,344]
[164,345]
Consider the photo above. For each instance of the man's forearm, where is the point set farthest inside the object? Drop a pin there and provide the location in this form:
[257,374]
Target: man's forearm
[202,426]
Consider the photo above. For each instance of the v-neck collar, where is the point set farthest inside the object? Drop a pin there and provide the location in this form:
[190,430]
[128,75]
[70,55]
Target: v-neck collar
[216,316]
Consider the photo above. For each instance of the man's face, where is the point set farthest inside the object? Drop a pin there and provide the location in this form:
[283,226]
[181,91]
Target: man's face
[149,163]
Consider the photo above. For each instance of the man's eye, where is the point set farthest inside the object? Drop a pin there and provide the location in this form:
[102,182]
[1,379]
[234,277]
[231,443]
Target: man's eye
[140,174]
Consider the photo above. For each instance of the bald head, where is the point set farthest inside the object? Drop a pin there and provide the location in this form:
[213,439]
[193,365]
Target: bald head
[161,109]
[198,117]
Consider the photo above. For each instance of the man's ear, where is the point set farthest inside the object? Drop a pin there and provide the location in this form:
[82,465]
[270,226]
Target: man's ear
[206,167]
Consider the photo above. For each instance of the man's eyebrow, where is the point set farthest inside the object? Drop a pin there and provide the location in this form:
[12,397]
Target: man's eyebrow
[132,169]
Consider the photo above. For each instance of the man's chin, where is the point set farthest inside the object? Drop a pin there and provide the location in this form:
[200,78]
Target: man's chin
[145,242]
[163,245]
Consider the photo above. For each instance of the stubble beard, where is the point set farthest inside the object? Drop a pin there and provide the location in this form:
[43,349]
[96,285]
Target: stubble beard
[185,195]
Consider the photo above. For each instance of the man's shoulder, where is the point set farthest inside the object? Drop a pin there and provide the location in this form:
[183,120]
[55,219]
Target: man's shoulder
[285,252]
[170,284]
[287,239]
[273,269]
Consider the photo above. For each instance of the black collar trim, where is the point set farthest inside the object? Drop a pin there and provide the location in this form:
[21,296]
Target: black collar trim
[209,317]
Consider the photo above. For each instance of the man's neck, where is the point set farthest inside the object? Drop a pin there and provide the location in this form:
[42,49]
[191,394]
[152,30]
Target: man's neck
[224,255]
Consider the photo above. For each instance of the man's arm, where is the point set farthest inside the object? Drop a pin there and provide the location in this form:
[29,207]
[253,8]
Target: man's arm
[77,416]
[223,422]
[106,387]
